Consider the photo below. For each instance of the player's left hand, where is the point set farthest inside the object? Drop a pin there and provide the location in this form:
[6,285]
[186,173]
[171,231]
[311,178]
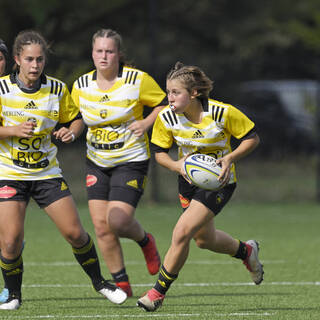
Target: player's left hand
[225,163]
[64,134]
[138,128]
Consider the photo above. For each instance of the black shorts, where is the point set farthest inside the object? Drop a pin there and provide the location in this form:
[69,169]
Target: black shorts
[214,200]
[44,192]
[125,182]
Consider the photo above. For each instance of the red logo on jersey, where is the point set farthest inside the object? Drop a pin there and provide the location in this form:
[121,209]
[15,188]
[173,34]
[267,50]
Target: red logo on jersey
[184,202]
[7,192]
[91,180]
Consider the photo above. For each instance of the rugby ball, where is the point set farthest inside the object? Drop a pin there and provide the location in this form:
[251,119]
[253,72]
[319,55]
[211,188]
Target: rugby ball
[203,171]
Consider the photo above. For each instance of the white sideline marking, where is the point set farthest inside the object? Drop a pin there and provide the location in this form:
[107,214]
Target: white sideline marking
[152,315]
[206,284]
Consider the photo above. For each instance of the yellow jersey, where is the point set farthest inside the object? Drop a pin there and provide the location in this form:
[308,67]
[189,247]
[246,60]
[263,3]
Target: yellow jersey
[33,158]
[212,136]
[108,114]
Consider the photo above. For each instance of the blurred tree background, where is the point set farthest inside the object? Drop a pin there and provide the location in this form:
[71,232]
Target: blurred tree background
[233,41]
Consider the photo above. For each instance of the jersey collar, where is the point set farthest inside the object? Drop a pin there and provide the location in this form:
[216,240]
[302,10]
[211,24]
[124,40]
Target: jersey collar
[94,75]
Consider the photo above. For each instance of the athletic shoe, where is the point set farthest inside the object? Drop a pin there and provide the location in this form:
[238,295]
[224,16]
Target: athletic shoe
[151,301]
[126,287]
[4,295]
[252,261]
[111,292]
[13,303]
[151,255]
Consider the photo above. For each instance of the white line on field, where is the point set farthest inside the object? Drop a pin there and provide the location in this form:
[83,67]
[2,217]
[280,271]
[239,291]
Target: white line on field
[153,315]
[206,284]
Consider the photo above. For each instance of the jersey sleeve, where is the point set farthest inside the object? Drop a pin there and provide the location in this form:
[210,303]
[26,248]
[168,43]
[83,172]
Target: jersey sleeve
[237,123]
[68,109]
[161,136]
[75,94]
[151,94]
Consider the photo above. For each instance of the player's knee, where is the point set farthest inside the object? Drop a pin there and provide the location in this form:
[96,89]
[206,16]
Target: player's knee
[11,247]
[201,243]
[181,235]
[120,223]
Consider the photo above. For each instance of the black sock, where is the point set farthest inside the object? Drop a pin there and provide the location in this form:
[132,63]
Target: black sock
[144,241]
[89,261]
[12,271]
[120,276]
[164,280]
[242,251]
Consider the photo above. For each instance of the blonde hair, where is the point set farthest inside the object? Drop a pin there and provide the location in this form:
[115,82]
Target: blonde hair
[109,33]
[192,78]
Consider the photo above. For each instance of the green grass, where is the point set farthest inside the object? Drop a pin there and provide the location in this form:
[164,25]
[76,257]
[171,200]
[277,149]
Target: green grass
[210,286]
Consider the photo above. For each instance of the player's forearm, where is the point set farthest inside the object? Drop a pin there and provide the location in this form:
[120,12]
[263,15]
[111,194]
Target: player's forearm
[77,126]
[166,161]
[245,148]
[151,118]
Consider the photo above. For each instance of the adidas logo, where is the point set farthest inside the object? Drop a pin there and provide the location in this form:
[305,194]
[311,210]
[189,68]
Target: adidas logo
[31,105]
[63,186]
[133,183]
[105,98]
[197,135]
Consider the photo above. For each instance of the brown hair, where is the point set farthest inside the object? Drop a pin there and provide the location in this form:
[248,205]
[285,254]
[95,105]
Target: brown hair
[25,38]
[28,37]
[192,78]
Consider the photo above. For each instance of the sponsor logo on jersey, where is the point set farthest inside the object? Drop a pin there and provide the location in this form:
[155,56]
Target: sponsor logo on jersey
[31,105]
[133,183]
[91,180]
[105,98]
[13,113]
[197,135]
[103,113]
[7,192]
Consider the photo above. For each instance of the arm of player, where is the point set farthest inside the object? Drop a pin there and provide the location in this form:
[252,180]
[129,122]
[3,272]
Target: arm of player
[164,159]
[141,126]
[68,135]
[23,130]
[245,147]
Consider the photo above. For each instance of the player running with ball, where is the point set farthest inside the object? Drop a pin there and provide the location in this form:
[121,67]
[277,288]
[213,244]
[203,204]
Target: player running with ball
[198,124]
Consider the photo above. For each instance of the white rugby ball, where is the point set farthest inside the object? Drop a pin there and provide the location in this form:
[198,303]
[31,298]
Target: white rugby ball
[203,171]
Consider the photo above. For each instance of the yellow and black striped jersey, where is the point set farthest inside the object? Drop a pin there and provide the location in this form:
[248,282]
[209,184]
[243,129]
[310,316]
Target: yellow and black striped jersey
[108,114]
[212,136]
[33,158]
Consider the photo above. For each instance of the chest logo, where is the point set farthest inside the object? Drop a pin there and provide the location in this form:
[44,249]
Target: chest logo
[197,135]
[31,105]
[105,98]
[103,113]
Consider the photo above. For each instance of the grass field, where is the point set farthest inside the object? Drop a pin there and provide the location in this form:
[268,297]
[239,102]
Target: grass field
[210,286]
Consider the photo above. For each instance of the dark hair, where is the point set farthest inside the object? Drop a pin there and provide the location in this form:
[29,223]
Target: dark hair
[192,78]
[4,49]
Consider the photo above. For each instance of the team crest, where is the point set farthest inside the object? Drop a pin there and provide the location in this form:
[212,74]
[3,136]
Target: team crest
[103,113]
